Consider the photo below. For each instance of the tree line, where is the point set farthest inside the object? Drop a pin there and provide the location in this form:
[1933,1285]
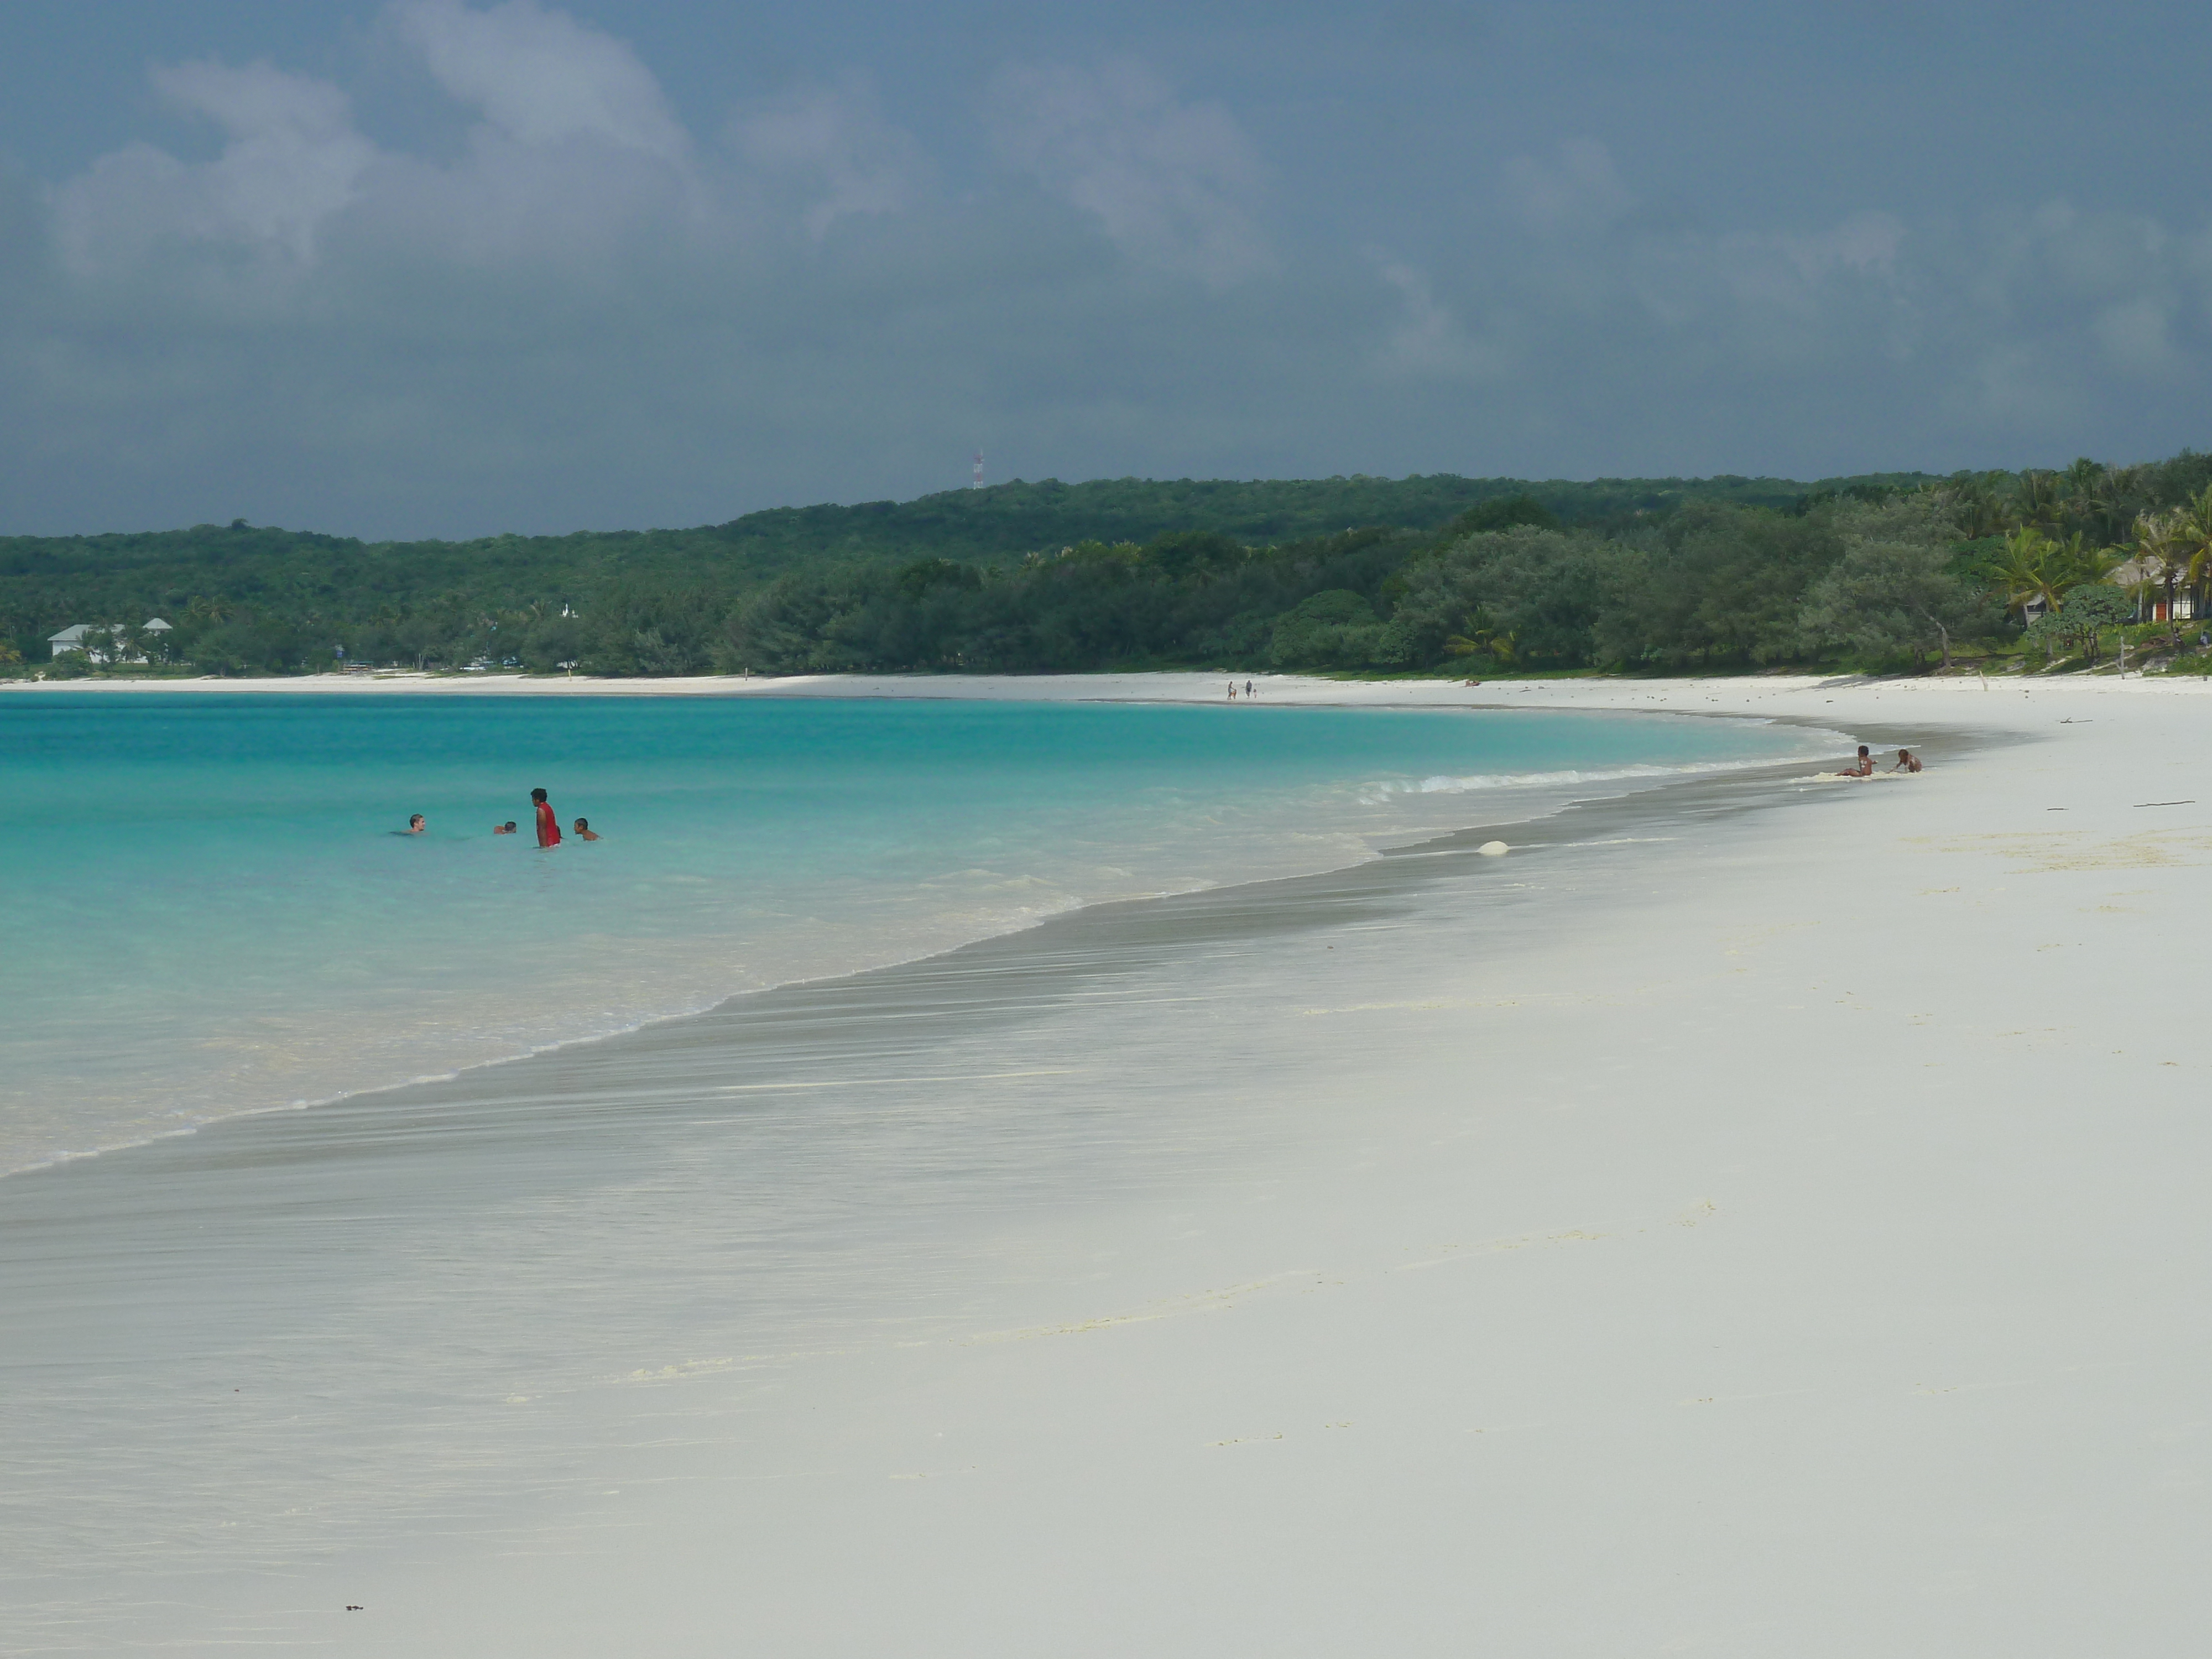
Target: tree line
[1482,575]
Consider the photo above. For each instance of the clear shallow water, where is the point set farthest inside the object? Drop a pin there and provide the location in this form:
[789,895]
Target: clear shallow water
[209,912]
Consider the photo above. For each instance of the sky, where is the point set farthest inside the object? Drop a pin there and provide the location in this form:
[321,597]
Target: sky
[406,268]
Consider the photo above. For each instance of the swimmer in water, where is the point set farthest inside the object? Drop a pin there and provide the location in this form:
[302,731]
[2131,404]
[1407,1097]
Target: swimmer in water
[416,825]
[584,831]
[507,829]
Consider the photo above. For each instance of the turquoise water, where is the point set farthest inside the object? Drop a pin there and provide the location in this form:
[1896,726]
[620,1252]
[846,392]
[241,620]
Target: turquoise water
[209,913]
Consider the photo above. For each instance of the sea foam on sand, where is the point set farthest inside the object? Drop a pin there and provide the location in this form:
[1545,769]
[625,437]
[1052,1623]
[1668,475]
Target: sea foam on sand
[1772,1225]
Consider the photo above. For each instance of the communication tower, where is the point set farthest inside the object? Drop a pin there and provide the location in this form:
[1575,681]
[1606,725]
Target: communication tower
[978,483]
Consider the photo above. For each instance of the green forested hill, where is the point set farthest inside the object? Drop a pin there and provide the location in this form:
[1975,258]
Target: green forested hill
[1347,572]
[260,587]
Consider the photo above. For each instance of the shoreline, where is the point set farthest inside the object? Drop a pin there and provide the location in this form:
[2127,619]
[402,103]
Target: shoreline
[1750,694]
[1365,1266]
[1537,798]
[983,992]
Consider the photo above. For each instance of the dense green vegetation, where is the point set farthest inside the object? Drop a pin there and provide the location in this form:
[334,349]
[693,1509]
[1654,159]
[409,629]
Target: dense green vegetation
[1344,573]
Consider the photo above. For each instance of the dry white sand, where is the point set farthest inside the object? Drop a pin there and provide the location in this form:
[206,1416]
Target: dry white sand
[1781,1233]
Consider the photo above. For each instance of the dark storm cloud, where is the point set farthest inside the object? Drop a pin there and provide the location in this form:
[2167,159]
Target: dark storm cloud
[575,300]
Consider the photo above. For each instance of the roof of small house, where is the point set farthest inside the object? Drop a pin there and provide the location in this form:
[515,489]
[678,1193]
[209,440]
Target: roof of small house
[75,632]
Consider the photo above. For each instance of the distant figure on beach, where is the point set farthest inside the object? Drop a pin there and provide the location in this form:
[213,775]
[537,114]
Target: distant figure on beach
[507,829]
[1248,689]
[1232,690]
[584,831]
[1906,762]
[416,825]
[1864,766]
[549,827]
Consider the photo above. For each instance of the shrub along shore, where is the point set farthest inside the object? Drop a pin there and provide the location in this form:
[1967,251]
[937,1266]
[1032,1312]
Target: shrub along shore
[1361,575]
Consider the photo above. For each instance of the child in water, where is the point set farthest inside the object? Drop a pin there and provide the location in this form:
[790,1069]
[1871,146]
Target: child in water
[584,831]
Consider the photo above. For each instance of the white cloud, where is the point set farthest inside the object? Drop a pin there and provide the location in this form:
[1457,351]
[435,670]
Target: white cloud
[835,147]
[541,77]
[1175,185]
[1426,340]
[1865,242]
[293,159]
[1578,189]
[578,156]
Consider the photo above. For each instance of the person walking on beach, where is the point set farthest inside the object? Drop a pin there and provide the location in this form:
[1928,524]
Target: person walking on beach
[549,827]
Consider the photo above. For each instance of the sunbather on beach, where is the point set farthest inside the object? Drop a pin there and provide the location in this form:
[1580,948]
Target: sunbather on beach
[584,831]
[549,827]
[1906,762]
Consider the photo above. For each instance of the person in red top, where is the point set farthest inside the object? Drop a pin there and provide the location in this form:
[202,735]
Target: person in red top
[549,827]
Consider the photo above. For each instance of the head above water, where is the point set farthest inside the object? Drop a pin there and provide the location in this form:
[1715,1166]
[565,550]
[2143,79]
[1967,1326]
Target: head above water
[538,795]
[583,825]
[508,825]
[416,822]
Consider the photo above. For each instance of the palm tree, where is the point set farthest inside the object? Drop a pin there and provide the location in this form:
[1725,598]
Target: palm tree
[2029,570]
[2089,495]
[1979,508]
[2036,499]
[2157,536]
[2084,564]
[2192,544]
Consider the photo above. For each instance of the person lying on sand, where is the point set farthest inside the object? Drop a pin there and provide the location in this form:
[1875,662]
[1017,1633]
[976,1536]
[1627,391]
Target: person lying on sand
[584,831]
[507,829]
[1906,762]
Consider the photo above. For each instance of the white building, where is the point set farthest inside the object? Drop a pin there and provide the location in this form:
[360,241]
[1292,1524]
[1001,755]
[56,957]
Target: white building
[72,638]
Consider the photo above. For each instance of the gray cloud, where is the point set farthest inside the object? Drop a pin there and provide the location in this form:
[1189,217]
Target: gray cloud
[540,78]
[1174,184]
[580,311]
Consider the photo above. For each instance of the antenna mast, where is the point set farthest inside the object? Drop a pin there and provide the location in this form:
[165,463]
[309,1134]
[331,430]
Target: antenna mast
[978,484]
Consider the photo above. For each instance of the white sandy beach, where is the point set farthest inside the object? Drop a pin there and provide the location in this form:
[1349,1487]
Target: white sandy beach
[1741,1232]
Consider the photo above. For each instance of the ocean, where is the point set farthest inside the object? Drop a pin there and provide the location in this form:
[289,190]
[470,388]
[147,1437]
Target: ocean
[212,912]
